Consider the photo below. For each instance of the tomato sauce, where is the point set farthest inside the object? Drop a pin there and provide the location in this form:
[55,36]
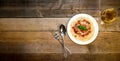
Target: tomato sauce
[81,32]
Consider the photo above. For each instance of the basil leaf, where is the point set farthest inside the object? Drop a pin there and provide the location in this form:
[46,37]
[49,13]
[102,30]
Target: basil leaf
[82,27]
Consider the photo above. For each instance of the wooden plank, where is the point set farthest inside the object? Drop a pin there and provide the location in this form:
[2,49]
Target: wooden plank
[31,23]
[44,13]
[46,3]
[53,8]
[47,24]
[44,42]
[63,13]
[37,12]
[59,57]
[18,12]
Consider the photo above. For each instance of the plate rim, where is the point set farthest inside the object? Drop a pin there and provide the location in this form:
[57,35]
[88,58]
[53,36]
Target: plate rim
[95,26]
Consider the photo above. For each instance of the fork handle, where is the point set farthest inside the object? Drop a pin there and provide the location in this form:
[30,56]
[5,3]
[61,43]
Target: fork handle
[65,49]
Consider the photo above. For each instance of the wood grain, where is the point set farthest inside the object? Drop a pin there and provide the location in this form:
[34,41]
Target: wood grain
[59,57]
[53,8]
[27,29]
[44,42]
[46,24]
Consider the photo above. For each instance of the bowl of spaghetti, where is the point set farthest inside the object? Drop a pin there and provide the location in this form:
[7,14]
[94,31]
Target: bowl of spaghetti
[82,29]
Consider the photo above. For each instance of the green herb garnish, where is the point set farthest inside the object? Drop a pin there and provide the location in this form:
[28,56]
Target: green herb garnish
[82,27]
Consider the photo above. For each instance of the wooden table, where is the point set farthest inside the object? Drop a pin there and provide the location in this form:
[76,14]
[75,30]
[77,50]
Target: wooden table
[28,37]
[33,38]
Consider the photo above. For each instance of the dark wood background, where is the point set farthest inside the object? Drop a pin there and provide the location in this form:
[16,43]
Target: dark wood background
[53,8]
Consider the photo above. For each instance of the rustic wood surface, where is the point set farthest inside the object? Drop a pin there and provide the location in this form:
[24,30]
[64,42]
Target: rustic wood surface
[46,24]
[44,42]
[59,57]
[27,29]
[53,8]
[34,37]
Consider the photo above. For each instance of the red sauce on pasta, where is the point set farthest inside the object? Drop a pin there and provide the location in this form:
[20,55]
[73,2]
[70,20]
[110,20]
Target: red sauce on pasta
[81,32]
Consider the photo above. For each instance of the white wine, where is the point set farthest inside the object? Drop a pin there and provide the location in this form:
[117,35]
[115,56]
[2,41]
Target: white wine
[109,15]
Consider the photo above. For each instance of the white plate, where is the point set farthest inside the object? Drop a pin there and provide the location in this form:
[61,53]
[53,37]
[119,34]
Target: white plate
[95,25]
